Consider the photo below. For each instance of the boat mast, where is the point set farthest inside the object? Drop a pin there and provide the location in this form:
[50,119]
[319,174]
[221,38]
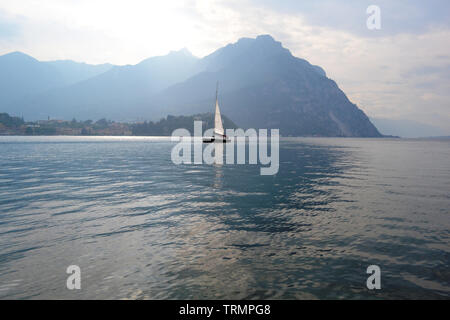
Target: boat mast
[217,89]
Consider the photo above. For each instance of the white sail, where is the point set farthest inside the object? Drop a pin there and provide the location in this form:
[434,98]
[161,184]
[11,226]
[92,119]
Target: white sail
[218,127]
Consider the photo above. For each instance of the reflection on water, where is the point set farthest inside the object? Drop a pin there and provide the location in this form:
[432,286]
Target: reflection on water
[141,227]
[218,172]
[218,154]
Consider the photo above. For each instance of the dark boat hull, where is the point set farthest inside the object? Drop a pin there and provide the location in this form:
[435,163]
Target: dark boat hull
[211,140]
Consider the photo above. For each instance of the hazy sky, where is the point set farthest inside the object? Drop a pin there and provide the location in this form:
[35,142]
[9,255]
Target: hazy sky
[401,71]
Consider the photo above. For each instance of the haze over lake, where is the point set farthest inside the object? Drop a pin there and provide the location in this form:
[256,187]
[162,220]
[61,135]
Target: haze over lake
[141,227]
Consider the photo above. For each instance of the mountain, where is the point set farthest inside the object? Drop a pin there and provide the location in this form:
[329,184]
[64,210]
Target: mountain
[114,94]
[261,85]
[23,77]
[264,86]
[72,72]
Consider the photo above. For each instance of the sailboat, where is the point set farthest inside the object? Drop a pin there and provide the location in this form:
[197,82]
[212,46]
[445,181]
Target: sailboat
[219,132]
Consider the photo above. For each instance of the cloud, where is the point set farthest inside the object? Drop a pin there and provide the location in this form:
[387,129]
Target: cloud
[400,16]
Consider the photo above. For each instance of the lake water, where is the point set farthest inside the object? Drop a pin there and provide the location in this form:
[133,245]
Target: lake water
[140,227]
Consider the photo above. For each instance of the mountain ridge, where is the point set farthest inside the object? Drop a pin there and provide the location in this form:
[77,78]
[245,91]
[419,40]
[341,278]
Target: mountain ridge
[262,85]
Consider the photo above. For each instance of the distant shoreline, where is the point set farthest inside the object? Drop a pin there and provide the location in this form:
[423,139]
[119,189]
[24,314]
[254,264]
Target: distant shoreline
[169,136]
[10,125]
